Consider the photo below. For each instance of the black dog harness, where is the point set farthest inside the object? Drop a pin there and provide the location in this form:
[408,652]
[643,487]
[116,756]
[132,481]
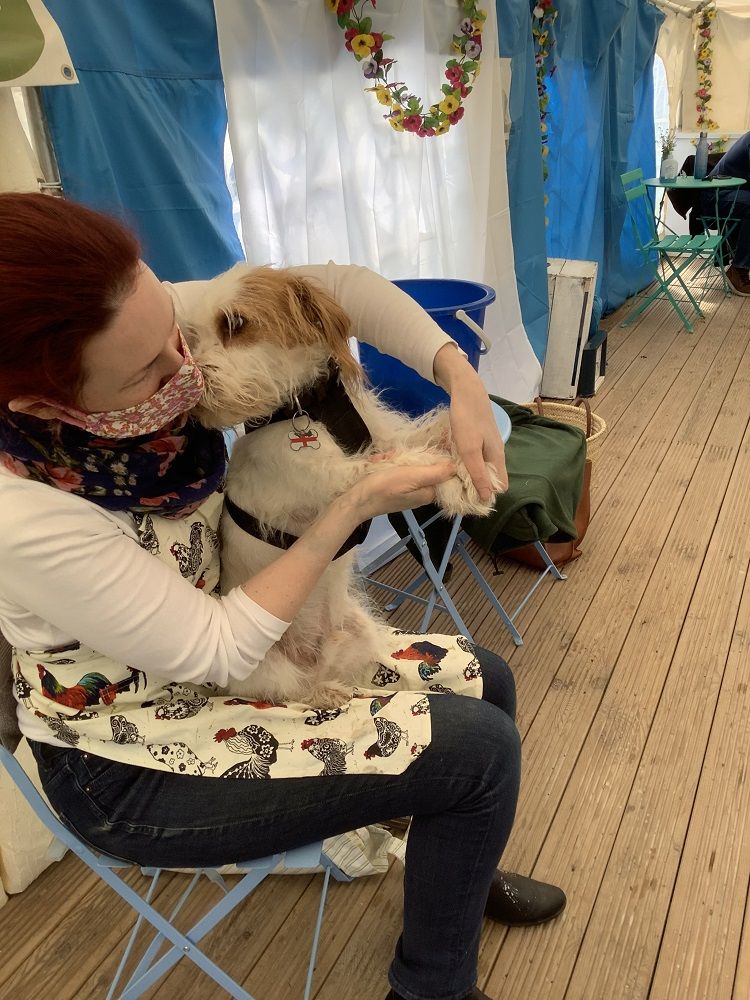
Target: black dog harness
[327,403]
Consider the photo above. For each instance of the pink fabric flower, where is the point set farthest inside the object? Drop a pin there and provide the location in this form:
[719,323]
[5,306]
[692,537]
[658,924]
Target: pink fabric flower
[13,465]
[65,479]
[157,501]
[453,75]
[412,123]
[456,116]
[168,446]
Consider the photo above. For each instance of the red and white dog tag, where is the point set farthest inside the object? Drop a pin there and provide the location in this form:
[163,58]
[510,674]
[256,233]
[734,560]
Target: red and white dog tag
[302,435]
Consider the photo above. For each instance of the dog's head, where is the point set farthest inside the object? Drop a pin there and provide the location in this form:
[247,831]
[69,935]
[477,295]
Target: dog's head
[260,336]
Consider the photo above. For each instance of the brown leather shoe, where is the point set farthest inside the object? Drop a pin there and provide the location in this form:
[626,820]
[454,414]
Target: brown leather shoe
[518,901]
[739,279]
[475,994]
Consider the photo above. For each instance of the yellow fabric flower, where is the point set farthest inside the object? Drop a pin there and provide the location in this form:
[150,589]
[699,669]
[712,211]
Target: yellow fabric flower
[449,105]
[442,128]
[332,5]
[362,45]
[383,94]
[396,125]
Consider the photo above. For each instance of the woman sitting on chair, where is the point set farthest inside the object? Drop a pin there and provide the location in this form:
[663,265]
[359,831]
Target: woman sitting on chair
[733,205]
[110,498]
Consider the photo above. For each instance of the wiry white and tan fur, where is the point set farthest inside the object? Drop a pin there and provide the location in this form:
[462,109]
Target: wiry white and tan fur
[261,336]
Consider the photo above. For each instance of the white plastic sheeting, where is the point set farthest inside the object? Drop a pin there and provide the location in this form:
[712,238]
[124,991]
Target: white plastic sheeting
[320,176]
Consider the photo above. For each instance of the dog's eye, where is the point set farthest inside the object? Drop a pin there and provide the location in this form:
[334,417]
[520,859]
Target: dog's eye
[230,325]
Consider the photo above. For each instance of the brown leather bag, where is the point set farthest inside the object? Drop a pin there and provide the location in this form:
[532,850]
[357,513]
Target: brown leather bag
[561,552]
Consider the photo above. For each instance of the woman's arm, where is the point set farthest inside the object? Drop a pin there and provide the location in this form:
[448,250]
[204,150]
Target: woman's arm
[283,587]
[67,562]
[391,321]
[473,423]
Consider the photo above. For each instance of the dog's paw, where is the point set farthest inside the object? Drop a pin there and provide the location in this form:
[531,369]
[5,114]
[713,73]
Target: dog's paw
[460,496]
[330,695]
[455,497]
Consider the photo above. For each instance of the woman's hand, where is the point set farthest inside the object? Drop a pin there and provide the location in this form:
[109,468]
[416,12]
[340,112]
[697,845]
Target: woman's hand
[396,488]
[473,425]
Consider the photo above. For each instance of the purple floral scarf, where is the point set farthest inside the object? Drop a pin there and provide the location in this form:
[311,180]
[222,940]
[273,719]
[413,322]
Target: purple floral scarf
[173,470]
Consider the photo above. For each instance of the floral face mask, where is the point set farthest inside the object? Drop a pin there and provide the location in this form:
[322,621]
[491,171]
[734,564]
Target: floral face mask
[179,395]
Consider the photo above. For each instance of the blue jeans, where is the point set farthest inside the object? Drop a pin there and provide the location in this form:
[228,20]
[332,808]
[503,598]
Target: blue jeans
[736,205]
[461,792]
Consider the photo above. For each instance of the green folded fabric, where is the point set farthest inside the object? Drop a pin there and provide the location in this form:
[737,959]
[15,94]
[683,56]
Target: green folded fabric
[545,461]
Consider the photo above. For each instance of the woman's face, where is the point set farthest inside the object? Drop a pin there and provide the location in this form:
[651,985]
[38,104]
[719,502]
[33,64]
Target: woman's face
[137,354]
[129,361]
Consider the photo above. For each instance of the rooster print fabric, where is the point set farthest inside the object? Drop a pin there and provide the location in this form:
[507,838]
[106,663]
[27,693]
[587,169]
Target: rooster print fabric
[116,711]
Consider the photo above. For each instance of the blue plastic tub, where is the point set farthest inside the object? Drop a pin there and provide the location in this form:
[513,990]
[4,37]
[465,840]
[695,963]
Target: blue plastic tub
[400,386]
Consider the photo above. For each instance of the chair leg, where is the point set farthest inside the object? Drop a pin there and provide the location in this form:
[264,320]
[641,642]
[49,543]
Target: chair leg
[153,949]
[488,592]
[185,945]
[677,273]
[419,537]
[406,593]
[551,567]
[427,617]
[316,935]
[131,940]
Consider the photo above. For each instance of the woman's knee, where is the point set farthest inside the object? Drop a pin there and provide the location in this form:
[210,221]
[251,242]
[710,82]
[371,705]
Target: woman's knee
[482,739]
[499,684]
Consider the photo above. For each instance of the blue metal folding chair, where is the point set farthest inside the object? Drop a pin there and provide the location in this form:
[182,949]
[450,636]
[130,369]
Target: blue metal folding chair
[439,599]
[184,945]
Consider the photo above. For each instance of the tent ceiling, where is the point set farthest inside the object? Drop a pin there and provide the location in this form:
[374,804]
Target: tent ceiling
[741,7]
[730,74]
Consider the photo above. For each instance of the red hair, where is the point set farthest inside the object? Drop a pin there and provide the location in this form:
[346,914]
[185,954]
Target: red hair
[64,271]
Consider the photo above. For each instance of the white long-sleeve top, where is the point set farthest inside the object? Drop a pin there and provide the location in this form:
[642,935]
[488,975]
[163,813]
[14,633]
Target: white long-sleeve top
[70,570]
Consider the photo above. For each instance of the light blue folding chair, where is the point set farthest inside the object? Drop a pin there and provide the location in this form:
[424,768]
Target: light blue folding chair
[439,599]
[184,945]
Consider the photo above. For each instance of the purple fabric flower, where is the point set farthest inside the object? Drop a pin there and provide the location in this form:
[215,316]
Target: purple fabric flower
[466,26]
[473,50]
[370,67]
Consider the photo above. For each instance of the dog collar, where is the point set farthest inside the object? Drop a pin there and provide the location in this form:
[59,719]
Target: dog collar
[327,403]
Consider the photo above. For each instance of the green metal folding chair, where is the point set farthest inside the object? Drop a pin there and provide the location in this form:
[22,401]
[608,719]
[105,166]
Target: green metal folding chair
[668,256]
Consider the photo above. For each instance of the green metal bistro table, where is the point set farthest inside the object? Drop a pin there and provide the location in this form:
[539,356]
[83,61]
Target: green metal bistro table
[724,227]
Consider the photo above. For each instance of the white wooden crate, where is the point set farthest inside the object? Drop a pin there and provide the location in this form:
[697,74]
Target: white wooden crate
[571,285]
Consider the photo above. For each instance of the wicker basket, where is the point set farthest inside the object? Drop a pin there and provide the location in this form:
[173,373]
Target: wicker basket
[577,414]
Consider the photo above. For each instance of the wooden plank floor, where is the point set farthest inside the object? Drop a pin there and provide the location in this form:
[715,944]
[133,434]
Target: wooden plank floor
[634,706]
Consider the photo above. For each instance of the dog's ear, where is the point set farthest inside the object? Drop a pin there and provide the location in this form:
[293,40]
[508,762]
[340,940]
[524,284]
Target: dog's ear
[321,311]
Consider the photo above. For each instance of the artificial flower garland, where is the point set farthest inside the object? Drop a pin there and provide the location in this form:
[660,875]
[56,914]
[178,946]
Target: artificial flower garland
[704,63]
[406,112]
[543,16]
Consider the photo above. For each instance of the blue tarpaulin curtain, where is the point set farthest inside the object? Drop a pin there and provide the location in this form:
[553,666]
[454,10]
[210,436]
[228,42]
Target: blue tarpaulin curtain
[601,124]
[525,180]
[142,135]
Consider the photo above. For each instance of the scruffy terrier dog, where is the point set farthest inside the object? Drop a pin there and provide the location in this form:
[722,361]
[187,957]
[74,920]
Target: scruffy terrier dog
[274,351]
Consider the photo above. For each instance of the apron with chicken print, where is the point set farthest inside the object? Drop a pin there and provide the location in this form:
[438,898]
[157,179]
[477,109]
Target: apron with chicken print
[117,711]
